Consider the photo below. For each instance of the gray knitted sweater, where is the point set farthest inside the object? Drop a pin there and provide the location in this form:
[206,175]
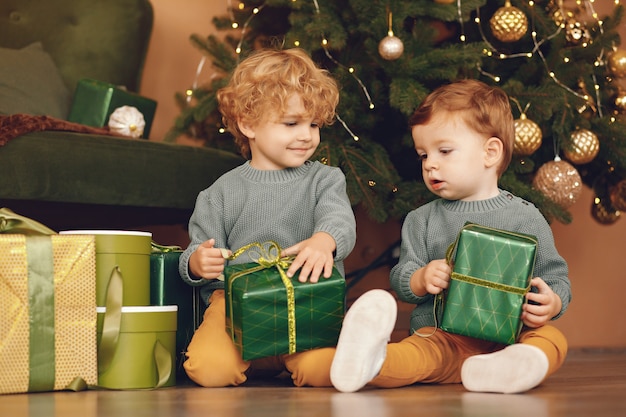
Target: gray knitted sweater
[428,231]
[287,206]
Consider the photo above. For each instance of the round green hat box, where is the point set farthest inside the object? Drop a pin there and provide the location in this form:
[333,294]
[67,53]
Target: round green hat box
[134,363]
[130,251]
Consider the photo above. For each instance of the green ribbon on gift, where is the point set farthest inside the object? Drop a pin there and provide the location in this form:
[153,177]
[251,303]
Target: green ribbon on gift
[156,248]
[11,222]
[267,255]
[41,313]
[112,321]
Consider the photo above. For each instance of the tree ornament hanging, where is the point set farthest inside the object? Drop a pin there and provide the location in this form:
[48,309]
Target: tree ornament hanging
[583,147]
[390,47]
[559,181]
[557,13]
[528,136]
[576,32]
[508,23]
[603,212]
[617,63]
[618,195]
[127,121]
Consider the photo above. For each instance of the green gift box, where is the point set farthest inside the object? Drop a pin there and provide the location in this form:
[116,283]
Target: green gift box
[269,314]
[491,275]
[94,101]
[168,288]
[143,348]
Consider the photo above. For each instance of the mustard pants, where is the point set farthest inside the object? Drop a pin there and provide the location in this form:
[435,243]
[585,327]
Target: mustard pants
[439,357]
[214,361]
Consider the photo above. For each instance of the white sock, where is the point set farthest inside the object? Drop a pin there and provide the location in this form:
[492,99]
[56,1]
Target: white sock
[516,368]
[362,344]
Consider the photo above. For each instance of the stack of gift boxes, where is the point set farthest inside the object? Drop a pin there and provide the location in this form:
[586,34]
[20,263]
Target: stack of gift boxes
[89,308]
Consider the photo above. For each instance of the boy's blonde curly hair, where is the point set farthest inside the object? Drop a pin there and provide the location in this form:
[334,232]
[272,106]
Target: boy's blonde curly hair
[263,82]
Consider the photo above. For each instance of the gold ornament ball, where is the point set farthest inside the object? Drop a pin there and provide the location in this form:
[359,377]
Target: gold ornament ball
[559,181]
[618,195]
[528,136]
[617,63]
[508,23]
[584,147]
[390,47]
[604,213]
[576,33]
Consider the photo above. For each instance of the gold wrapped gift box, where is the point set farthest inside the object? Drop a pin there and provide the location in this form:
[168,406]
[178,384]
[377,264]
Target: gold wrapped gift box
[47,313]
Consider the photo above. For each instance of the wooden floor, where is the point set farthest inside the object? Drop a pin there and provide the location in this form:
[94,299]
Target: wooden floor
[590,384]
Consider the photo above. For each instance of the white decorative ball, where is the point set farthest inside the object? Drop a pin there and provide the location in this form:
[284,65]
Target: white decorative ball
[127,121]
[391,47]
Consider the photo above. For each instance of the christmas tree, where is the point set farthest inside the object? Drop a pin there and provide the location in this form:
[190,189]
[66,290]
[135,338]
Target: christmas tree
[560,64]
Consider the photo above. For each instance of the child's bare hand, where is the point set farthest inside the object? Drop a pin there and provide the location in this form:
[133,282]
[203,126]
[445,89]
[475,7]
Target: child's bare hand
[548,304]
[432,278]
[314,255]
[207,261]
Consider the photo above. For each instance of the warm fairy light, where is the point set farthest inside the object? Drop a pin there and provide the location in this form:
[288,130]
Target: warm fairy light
[462,37]
[221,130]
[189,93]
[371,106]
[566,59]
[351,70]
[324,42]
[296,43]
[238,50]
[241,6]
[235,25]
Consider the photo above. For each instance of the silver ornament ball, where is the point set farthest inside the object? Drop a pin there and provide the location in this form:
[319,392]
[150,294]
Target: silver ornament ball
[390,48]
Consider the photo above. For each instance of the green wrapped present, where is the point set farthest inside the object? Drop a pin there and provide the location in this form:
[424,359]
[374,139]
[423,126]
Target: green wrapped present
[94,101]
[268,314]
[168,288]
[491,276]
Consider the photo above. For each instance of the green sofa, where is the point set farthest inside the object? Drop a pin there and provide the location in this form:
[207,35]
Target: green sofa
[66,179]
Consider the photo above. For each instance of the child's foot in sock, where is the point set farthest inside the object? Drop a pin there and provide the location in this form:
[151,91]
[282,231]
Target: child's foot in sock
[362,344]
[516,368]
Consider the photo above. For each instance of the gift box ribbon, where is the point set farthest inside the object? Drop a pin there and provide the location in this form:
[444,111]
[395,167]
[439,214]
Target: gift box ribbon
[267,255]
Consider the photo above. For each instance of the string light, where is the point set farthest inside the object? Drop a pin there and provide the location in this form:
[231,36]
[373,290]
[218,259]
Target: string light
[492,51]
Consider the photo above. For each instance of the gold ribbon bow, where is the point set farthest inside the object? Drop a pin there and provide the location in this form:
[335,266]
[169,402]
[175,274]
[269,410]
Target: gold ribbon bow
[267,255]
